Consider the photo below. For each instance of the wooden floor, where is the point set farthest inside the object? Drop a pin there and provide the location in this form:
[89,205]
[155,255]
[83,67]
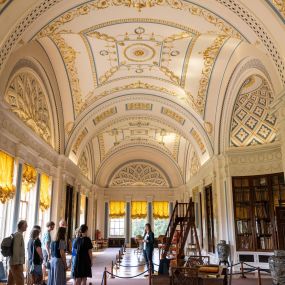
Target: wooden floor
[103,258]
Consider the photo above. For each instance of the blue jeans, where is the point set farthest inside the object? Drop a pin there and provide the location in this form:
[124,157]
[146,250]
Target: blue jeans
[148,259]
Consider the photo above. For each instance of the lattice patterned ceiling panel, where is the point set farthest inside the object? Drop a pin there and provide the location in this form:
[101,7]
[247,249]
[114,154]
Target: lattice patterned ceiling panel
[251,122]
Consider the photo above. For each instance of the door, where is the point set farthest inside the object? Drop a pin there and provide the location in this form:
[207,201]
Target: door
[280,218]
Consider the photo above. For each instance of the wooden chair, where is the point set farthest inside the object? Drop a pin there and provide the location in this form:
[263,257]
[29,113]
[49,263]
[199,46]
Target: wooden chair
[184,276]
[195,260]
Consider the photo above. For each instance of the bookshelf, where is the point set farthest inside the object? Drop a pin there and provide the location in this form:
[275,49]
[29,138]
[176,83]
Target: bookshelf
[255,199]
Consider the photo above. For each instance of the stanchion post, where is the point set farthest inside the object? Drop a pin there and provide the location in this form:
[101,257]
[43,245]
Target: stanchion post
[119,256]
[105,276]
[112,270]
[231,272]
[258,276]
[125,247]
[117,262]
[242,270]
[122,250]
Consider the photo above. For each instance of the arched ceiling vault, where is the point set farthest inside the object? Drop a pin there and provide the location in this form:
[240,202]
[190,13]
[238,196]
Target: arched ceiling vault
[146,75]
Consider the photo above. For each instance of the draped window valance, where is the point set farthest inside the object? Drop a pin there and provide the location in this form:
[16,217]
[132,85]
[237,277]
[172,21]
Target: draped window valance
[29,177]
[45,198]
[160,210]
[117,209]
[7,189]
[139,209]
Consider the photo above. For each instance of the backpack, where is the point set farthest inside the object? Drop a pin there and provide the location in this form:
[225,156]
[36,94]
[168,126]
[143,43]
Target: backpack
[7,246]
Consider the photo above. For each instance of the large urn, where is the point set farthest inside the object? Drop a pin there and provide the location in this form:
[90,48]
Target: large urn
[223,251]
[277,267]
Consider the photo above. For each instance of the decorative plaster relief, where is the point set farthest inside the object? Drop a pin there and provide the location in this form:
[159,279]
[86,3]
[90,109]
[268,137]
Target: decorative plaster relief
[173,115]
[27,100]
[139,106]
[104,115]
[139,174]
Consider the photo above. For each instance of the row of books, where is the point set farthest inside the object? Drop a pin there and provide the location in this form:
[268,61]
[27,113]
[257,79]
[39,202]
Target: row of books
[242,212]
[242,195]
[261,195]
[261,211]
[263,227]
[243,227]
[266,243]
[244,242]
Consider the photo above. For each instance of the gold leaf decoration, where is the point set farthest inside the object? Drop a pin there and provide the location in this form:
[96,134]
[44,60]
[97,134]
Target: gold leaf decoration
[83,164]
[209,56]
[104,115]
[173,115]
[27,100]
[198,140]
[79,140]
[69,57]
[139,174]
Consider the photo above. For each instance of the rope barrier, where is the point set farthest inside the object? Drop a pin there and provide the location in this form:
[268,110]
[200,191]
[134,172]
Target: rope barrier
[126,277]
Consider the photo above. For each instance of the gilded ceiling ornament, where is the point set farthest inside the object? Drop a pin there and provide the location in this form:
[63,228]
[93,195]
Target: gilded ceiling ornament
[280,6]
[209,56]
[135,85]
[198,140]
[139,174]
[79,140]
[140,4]
[27,100]
[173,115]
[108,74]
[170,74]
[104,115]
[252,122]
[208,127]
[83,164]
[69,58]
[139,106]
[194,165]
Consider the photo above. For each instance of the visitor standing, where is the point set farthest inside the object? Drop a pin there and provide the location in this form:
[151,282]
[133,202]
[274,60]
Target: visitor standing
[83,258]
[148,246]
[16,275]
[46,241]
[58,266]
[35,258]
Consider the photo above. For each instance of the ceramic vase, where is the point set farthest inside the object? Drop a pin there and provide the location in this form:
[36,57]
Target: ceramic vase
[223,251]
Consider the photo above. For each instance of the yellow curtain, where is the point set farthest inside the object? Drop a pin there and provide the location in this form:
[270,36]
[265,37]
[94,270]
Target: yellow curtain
[160,210]
[139,209]
[7,189]
[29,178]
[45,198]
[117,209]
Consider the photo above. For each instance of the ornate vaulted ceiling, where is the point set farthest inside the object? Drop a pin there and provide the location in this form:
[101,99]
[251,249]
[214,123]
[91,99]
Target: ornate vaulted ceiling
[151,75]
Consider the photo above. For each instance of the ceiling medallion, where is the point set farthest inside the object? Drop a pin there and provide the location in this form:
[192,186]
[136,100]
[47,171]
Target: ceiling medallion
[139,52]
[139,30]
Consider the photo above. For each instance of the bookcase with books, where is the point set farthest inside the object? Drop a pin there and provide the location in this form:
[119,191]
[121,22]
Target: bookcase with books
[255,199]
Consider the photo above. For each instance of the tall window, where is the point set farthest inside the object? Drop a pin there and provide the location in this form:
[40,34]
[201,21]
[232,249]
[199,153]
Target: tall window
[7,191]
[82,209]
[45,200]
[138,215]
[161,217]
[117,211]
[210,218]
[117,227]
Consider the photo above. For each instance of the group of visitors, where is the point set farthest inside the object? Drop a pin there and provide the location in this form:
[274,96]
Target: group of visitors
[49,255]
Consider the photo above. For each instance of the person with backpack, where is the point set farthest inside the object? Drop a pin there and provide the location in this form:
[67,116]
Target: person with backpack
[58,266]
[35,257]
[17,258]
[83,258]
